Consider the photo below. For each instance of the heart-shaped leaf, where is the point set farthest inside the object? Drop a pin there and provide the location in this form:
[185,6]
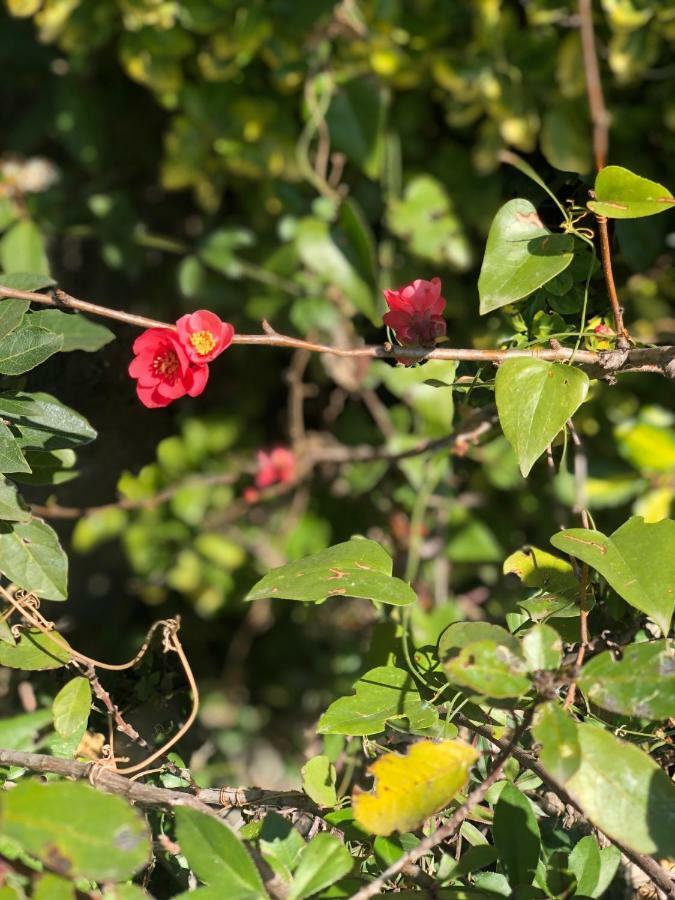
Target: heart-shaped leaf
[637,560]
[31,556]
[488,668]
[409,789]
[382,694]
[535,399]
[621,194]
[521,255]
[356,568]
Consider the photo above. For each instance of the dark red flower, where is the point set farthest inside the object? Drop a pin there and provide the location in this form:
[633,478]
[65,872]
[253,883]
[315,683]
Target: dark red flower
[163,370]
[203,335]
[415,312]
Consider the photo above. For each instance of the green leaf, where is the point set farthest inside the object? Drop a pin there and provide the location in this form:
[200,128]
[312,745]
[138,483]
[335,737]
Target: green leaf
[22,249]
[52,887]
[19,732]
[641,683]
[610,859]
[557,733]
[25,281]
[383,694]
[535,399]
[218,250]
[637,560]
[217,856]
[489,668]
[433,405]
[34,652]
[621,791]
[11,315]
[76,830]
[461,634]
[516,835]
[48,467]
[43,422]
[11,458]
[78,332]
[542,648]
[521,255]
[325,252]
[318,781]
[31,556]
[584,862]
[70,709]
[621,194]
[323,861]
[26,348]
[356,568]
[281,845]
[355,119]
[552,576]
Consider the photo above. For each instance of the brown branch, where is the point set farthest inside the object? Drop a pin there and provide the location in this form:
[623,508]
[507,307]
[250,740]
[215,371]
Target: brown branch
[448,829]
[648,865]
[600,120]
[660,360]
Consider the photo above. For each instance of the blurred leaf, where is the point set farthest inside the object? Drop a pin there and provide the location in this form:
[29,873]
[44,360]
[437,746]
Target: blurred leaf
[52,887]
[219,250]
[322,862]
[355,119]
[326,252]
[356,568]
[31,556]
[636,560]
[521,255]
[25,281]
[620,194]
[641,683]
[408,789]
[565,139]
[217,856]
[34,651]
[648,447]
[318,781]
[19,732]
[22,250]
[78,332]
[516,835]
[48,467]
[382,694]
[105,840]
[434,405]
[534,401]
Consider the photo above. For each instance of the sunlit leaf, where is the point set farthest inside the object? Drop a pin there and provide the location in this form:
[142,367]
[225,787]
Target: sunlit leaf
[408,789]
[621,194]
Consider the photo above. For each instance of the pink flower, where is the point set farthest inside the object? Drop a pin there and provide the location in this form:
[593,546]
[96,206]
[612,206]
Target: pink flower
[603,329]
[163,370]
[275,467]
[203,335]
[415,312]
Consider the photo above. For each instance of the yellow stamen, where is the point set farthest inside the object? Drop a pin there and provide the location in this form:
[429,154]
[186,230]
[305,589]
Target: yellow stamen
[203,342]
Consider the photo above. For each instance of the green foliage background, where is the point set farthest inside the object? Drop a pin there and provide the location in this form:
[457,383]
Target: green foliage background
[287,160]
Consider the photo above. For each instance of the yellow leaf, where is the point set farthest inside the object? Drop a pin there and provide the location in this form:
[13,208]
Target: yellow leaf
[409,789]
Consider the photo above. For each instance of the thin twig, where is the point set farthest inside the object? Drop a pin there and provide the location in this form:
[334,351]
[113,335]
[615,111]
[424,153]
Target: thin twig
[600,120]
[648,865]
[660,360]
[447,830]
